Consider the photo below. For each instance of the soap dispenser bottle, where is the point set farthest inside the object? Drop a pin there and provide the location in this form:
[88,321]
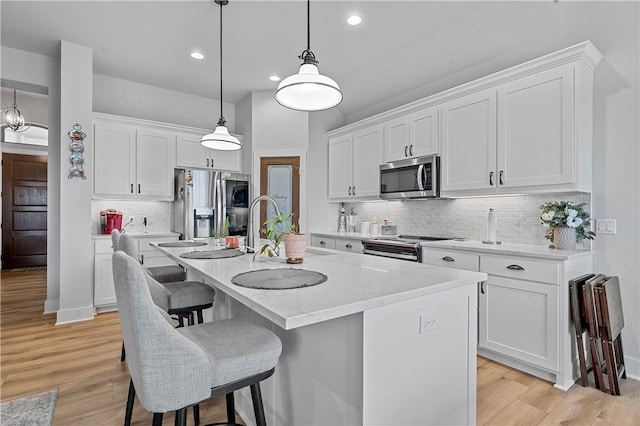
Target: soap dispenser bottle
[342,219]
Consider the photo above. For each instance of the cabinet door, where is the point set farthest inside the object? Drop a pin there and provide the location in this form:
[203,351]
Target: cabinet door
[423,132]
[469,142]
[535,130]
[155,161]
[346,244]
[114,160]
[519,319]
[323,242]
[340,164]
[104,292]
[190,153]
[367,156]
[396,139]
[224,160]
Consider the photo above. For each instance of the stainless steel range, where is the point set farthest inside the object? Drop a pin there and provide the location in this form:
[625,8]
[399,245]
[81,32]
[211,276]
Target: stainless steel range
[406,247]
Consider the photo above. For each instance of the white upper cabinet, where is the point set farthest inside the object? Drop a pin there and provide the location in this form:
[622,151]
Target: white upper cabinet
[190,153]
[133,162]
[114,159]
[535,130]
[526,129]
[354,164]
[413,135]
[423,132]
[469,142]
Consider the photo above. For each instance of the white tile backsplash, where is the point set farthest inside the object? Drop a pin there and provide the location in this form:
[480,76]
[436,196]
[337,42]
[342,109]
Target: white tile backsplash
[158,214]
[518,216]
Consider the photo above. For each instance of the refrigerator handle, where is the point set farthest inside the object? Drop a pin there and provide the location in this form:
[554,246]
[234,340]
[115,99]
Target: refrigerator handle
[223,200]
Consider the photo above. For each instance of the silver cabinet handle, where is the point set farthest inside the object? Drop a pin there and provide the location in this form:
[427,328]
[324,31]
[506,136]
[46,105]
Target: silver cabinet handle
[515,267]
[354,190]
[212,162]
[348,246]
[491,178]
[323,243]
[349,190]
[482,287]
[132,188]
[500,177]
[405,151]
[410,150]
[142,259]
[138,188]
[207,162]
[448,259]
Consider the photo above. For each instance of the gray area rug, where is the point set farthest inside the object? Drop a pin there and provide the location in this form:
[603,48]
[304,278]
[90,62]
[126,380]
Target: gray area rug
[34,410]
[279,279]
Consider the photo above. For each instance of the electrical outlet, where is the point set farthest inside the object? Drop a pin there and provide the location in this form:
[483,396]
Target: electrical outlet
[429,322]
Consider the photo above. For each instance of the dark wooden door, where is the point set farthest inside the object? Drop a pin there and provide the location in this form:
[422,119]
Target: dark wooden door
[24,211]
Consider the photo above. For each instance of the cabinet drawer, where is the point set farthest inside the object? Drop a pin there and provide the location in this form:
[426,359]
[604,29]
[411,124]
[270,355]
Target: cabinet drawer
[103,246]
[519,268]
[323,242]
[354,246]
[451,259]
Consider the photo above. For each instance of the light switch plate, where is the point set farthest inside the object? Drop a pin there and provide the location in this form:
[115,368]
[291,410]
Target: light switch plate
[606,226]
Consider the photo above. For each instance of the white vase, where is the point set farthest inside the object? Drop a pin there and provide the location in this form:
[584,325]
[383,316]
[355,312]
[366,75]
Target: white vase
[564,237]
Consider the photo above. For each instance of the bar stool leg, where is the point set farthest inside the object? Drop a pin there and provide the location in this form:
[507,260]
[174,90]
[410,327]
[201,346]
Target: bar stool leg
[128,413]
[196,414]
[231,408]
[181,417]
[157,419]
[258,409]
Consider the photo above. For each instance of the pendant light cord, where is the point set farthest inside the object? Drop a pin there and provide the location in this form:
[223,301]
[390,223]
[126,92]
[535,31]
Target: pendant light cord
[308,25]
[222,121]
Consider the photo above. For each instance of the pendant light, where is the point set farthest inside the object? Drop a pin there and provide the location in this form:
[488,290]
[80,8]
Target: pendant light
[220,139]
[308,90]
[14,118]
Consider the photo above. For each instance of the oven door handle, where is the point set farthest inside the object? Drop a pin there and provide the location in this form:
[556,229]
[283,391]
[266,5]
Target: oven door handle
[419,177]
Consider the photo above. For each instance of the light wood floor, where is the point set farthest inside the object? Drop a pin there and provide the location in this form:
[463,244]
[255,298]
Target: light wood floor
[82,361]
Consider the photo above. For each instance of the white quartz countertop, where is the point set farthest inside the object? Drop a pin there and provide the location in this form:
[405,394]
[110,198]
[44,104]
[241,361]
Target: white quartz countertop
[540,252]
[355,283]
[166,234]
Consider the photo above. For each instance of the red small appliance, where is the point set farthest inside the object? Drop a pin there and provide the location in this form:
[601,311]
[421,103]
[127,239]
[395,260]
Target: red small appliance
[110,219]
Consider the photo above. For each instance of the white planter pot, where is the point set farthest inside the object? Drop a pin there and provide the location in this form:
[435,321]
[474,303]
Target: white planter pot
[564,238]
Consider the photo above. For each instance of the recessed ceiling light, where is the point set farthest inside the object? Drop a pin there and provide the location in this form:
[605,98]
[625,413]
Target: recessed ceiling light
[197,55]
[354,20]
[274,78]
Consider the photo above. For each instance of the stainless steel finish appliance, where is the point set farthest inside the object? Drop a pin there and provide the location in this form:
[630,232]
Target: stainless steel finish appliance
[411,178]
[204,199]
[405,247]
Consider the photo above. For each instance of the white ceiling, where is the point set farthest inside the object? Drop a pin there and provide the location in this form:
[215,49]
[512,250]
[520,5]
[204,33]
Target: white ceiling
[401,45]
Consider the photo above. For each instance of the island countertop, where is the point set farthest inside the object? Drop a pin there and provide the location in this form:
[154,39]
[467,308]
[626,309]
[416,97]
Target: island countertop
[355,283]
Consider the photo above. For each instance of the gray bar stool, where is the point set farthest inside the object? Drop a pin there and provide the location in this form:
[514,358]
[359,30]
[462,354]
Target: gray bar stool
[162,274]
[173,369]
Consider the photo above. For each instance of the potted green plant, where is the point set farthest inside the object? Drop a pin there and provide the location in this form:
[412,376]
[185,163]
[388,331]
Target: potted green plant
[566,223]
[281,229]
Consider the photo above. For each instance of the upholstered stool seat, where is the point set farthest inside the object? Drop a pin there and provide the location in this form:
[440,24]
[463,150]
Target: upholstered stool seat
[167,274]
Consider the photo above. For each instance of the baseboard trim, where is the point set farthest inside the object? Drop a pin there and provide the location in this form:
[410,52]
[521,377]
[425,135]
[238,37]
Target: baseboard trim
[67,316]
[51,306]
[632,367]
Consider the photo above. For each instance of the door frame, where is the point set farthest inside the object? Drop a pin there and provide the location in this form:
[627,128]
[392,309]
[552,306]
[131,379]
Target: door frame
[255,181]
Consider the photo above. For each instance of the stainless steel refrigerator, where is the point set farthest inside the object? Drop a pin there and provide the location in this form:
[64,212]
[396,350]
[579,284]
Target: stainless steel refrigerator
[203,199]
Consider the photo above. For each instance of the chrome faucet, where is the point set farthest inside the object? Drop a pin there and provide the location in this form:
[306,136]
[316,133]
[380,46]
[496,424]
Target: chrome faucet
[250,236]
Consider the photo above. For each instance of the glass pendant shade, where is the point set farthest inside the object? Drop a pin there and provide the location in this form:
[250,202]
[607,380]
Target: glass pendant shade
[308,90]
[221,140]
[14,118]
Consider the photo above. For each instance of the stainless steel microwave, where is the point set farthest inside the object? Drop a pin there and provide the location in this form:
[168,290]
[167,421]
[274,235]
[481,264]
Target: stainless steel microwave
[411,178]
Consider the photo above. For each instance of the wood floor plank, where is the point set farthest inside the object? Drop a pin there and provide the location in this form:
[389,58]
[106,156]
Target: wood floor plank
[81,360]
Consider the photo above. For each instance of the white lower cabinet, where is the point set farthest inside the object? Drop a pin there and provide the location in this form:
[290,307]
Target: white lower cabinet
[523,308]
[104,293]
[353,245]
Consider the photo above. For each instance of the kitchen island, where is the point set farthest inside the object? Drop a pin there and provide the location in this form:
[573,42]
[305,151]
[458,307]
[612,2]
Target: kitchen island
[382,341]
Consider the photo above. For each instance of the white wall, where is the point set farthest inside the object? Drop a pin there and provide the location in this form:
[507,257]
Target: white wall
[44,71]
[131,99]
[76,246]
[614,29]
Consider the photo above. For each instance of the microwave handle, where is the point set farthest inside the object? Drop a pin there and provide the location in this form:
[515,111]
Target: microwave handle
[419,177]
